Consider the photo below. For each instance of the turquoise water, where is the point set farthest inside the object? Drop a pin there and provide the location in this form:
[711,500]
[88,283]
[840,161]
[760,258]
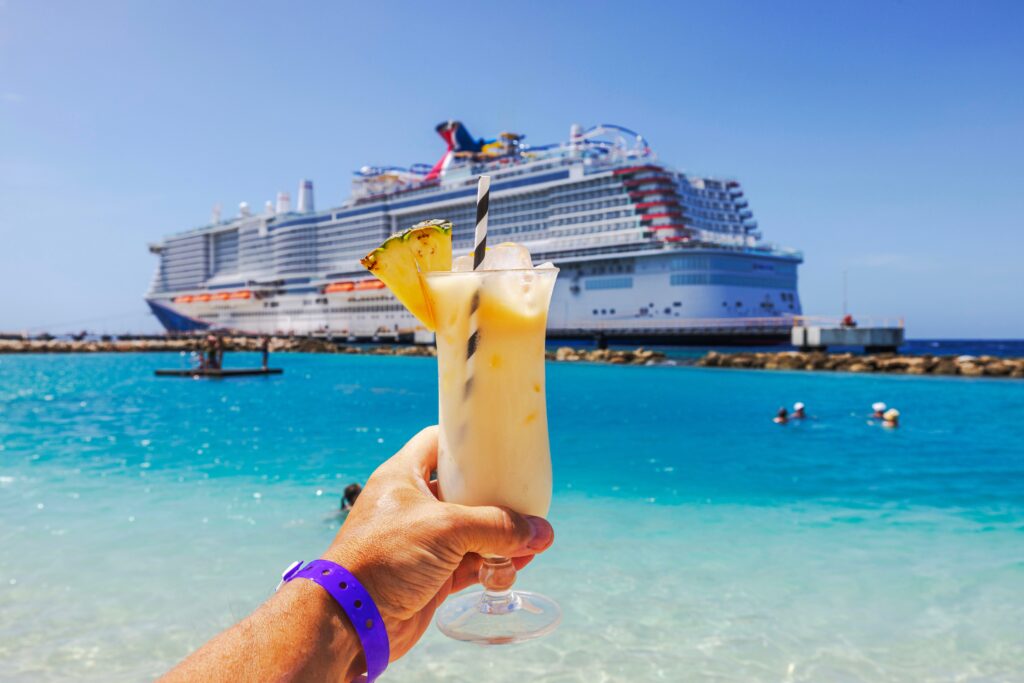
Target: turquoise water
[696,540]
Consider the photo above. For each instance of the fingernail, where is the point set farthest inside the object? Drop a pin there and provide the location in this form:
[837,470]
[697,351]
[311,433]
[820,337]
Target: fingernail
[541,533]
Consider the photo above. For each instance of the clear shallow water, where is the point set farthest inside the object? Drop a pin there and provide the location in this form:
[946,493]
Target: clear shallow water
[696,540]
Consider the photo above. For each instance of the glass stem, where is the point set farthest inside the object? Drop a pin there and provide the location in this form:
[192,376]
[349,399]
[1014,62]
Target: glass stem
[497,574]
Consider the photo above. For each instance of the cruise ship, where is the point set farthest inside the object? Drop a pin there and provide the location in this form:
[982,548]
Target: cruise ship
[646,252]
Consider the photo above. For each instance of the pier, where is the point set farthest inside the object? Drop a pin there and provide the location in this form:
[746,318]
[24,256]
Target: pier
[754,331]
[818,334]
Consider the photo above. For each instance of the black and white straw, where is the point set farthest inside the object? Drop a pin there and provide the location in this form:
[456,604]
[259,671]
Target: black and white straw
[483,198]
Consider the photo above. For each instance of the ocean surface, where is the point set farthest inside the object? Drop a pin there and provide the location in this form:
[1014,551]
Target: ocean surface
[696,540]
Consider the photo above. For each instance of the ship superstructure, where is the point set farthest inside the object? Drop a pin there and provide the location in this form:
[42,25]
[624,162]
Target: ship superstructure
[645,251]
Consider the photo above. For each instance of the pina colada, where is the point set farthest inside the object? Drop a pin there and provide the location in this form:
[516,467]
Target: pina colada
[489,322]
[494,432]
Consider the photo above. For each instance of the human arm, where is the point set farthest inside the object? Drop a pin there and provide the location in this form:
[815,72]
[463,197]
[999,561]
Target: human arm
[406,547]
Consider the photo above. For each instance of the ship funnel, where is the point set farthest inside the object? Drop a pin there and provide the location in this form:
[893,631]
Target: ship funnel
[243,209]
[284,202]
[215,214]
[305,196]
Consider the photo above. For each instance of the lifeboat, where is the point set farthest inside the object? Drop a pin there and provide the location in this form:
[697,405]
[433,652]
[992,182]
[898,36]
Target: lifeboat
[339,287]
[202,297]
[187,299]
[368,284]
[223,296]
[242,294]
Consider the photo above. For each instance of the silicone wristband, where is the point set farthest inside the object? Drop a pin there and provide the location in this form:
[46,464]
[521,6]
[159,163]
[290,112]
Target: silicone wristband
[357,605]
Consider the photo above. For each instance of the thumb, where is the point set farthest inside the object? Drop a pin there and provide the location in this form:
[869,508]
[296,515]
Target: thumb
[488,530]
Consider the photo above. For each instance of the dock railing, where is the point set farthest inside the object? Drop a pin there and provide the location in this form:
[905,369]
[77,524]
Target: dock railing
[655,324]
[836,321]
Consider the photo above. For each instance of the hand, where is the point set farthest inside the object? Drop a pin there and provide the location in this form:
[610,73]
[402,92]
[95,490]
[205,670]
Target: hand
[411,550]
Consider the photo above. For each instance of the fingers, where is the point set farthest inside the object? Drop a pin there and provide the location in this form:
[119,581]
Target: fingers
[417,458]
[488,530]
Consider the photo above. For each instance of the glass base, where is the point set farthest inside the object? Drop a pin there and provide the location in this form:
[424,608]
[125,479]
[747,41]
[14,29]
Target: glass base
[498,618]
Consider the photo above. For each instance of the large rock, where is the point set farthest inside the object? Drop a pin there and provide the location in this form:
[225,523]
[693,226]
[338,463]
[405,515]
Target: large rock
[564,352]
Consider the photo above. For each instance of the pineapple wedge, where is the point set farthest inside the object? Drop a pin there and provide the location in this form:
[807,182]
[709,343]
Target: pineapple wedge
[398,262]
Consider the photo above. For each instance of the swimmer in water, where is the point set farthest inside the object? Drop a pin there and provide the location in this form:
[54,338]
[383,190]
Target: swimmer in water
[781,417]
[348,499]
[891,418]
[878,410]
[798,411]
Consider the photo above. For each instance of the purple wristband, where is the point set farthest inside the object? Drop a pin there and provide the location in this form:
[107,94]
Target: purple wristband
[357,605]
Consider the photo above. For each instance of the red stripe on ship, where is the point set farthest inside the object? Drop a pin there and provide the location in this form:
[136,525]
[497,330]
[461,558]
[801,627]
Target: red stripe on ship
[635,169]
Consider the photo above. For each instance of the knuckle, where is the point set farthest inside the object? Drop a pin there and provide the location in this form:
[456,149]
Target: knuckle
[509,524]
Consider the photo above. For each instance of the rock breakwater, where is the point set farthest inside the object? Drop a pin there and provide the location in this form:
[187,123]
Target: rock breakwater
[299,345]
[968,366]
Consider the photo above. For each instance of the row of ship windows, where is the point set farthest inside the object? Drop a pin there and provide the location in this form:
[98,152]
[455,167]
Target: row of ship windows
[609,283]
[586,206]
[337,309]
[593,194]
[683,279]
[604,227]
[573,220]
[724,217]
[517,218]
[603,269]
[706,263]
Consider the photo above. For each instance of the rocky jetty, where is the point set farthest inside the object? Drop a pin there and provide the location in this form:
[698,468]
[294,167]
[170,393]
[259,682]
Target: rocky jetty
[639,356]
[300,345]
[231,343]
[969,366]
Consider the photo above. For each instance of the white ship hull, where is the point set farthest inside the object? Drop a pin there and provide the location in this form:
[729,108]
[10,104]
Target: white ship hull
[643,296]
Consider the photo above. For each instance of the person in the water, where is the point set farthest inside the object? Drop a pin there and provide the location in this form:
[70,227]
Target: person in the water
[348,499]
[798,411]
[878,410]
[401,554]
[265,351]
[891,418]
[781,417]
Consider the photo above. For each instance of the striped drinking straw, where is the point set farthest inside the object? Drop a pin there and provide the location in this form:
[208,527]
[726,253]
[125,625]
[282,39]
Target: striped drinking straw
[483,198]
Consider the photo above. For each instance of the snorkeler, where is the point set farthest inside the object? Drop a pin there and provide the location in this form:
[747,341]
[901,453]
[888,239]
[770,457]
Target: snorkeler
[798,411]
[878,410]
[891,418]
[781,417]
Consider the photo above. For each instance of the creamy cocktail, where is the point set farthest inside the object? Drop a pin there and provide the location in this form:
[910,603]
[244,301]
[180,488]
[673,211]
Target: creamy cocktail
[494,429]
[489,312]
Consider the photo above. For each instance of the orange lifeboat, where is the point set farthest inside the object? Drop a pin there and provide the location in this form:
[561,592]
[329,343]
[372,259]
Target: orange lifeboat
[369,284]
[241,294]
[339,287]
[223,296]
[202,297]
[187,299]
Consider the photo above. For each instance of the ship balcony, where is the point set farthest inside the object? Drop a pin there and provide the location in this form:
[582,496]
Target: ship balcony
[650,180]
[662,215]
[746,215]
[741,204]
[664,202]
[636,169]
[661,194]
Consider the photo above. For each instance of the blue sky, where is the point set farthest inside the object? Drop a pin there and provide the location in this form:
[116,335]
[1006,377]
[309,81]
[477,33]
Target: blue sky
[882,138]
